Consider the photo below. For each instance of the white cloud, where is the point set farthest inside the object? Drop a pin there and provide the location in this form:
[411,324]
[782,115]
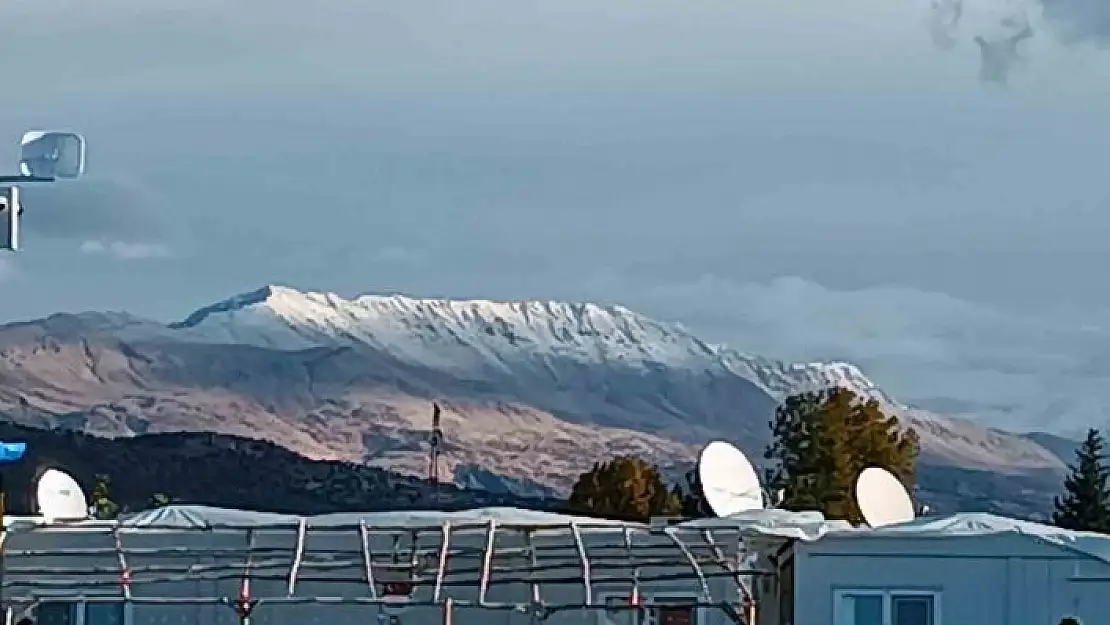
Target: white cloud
[124,250]
[928,349]
[7,268]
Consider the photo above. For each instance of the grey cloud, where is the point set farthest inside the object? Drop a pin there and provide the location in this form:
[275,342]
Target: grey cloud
[944,22]
[930,349]
[1000,55]
[96,208]
[7,268]
[1079,21]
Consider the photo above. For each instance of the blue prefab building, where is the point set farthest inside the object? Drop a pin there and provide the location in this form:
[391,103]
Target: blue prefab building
[968,568]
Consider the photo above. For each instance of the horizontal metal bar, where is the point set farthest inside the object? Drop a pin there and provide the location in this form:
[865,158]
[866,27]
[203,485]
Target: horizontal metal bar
[235,567]
[521,606]
[21,179]
[448,582]
[601,550]
[436,527]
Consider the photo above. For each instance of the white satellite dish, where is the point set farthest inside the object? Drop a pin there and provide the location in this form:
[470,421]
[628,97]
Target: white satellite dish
[882,499]
[52,154]
[60,497]
[728,480]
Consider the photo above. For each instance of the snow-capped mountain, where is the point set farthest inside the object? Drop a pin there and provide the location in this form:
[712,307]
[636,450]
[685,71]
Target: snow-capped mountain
[534,392]
[471,336]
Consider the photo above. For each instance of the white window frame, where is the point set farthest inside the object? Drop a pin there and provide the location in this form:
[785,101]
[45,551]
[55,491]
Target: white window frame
[887,595]
[648,597]
[78,608]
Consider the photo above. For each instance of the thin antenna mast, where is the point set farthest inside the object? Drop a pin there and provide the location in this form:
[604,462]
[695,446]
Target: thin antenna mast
[433,456]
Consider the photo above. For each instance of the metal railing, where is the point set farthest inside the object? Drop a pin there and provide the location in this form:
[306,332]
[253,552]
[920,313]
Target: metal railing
[433,562]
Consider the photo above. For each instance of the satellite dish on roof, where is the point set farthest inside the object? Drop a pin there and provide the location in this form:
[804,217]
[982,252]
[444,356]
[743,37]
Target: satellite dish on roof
[882,498]
[728,480]
[60,497]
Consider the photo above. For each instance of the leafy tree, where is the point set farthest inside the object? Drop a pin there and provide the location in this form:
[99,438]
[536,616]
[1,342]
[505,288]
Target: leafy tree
[103,506]
[822,440]
[692,504]
[1086,501]
[626,488]
[158,500]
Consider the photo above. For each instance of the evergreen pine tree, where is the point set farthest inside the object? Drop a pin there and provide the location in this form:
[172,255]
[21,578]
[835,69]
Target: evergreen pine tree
[821,441]
[1086,501]
[691,497]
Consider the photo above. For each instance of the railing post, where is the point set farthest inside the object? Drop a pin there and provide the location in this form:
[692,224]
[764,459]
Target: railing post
[298,555]
[580,547]
[448,609]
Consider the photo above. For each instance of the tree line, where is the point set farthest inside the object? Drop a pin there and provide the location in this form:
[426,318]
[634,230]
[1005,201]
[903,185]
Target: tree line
[820,442]
[104,507]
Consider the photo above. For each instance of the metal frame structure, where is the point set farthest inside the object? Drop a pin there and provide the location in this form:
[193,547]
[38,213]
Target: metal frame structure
[436,561]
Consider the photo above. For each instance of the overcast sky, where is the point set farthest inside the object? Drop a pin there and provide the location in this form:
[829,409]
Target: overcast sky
[801,179]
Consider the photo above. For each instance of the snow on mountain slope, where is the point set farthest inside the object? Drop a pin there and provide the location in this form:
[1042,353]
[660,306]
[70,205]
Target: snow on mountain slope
[481,339]
[534,392]
[475,335]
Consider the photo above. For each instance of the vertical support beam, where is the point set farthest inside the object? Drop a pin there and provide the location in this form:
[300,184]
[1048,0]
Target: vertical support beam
[725,564]
[367,558]
[441,571]
[3,541]
[487,561]
[448,611]
[534,564]
[298,554]
[580,547]
[124,570]
[12,200]
[414,556]
[247,602]
[634,597]
[673,535]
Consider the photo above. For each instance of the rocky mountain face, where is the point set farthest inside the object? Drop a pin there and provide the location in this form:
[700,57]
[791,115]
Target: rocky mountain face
[533,392]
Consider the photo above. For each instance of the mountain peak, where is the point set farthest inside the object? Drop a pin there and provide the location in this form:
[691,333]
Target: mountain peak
[231,304]
[482,337]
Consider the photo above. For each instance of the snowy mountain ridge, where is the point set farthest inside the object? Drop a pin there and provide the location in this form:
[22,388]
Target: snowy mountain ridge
[533,392]
[473,335]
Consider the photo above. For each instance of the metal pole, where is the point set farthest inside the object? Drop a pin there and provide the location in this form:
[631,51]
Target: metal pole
[448,607]
[3,532]
[11,198]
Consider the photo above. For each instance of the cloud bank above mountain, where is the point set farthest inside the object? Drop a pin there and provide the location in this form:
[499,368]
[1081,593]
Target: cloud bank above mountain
[929,349]
[468,150]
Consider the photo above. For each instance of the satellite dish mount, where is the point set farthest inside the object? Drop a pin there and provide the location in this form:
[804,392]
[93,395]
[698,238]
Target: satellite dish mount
[43,157]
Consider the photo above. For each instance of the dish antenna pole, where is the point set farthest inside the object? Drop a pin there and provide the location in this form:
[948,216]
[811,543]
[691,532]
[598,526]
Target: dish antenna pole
[9,453]
[434,441]
[43,157]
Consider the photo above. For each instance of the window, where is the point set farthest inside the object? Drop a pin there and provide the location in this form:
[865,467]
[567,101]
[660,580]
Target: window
[55,613]
[886,607]
[80,613]
[104,613]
